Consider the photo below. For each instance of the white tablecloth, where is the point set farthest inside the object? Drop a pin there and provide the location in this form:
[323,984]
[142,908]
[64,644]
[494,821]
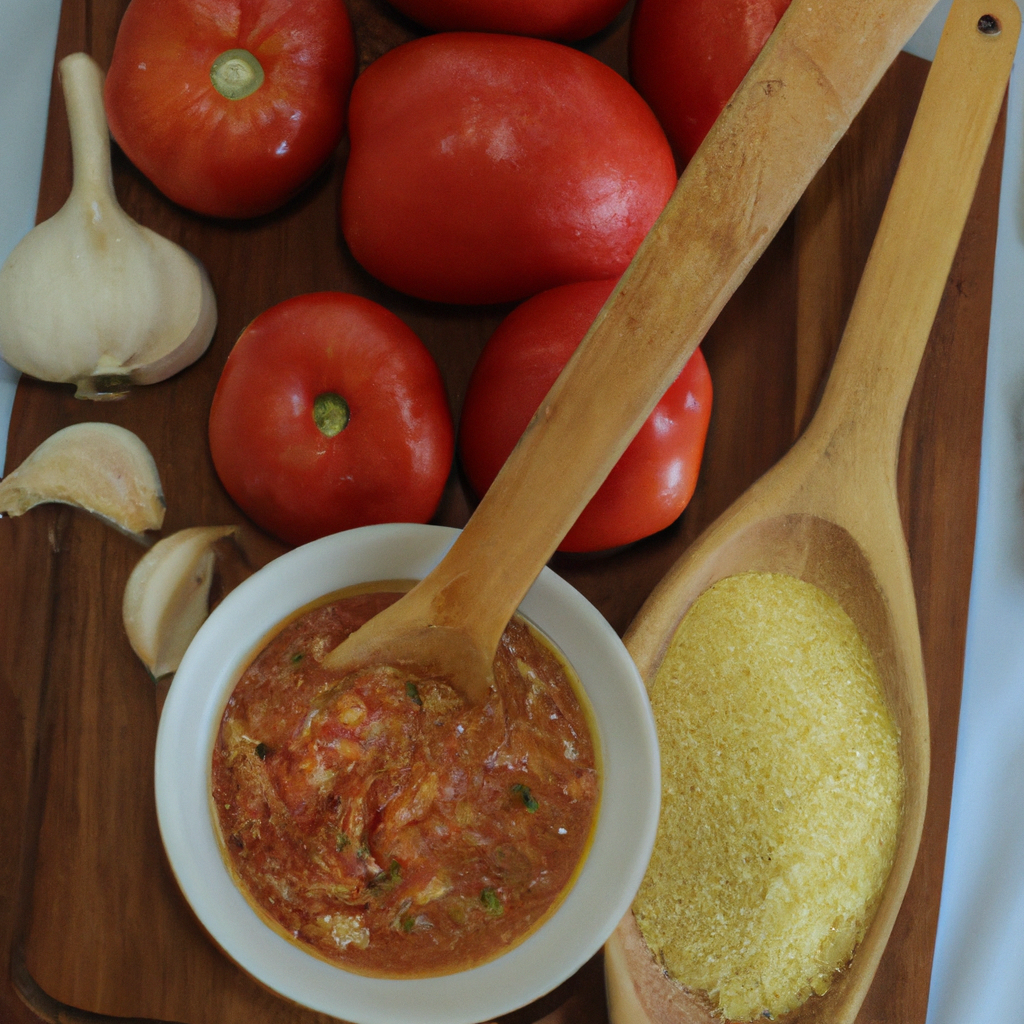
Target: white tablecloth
[979,955]
[28,34]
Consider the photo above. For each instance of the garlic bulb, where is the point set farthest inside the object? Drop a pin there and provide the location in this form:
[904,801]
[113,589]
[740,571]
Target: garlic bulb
[100,467]
[166,599]
[90,296]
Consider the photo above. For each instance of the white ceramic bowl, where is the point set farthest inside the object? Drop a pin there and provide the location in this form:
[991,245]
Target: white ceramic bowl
[605,887]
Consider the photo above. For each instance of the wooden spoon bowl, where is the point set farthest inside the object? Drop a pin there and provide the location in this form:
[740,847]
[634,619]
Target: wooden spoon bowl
[825,554]
[828,512]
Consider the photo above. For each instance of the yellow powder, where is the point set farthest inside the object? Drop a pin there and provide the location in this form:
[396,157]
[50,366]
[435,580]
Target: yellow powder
[782,788]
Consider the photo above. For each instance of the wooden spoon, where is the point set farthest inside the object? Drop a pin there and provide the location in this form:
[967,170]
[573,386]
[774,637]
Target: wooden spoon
[828,512]
[818,67]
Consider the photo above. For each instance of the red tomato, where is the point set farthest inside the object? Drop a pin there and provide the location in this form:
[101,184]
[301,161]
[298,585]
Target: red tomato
[549,19]
[654,479]
[485,168]
[686,57]
[230,106]
[330,413]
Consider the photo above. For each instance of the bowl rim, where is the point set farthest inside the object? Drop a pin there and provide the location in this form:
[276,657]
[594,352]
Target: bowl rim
[605,886]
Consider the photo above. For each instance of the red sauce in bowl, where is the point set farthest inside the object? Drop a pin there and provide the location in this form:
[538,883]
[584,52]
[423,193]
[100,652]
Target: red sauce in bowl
[384,824]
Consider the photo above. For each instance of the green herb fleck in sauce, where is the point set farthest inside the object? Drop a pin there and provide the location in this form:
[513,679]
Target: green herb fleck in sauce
[529,800]
[492,903]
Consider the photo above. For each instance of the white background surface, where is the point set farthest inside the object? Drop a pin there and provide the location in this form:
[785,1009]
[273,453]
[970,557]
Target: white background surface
[979,955]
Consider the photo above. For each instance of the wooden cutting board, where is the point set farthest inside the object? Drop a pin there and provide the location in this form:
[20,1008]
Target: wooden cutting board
[91,922]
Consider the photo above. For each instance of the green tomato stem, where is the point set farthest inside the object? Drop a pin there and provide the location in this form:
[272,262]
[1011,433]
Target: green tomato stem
[330,413]
[236,74]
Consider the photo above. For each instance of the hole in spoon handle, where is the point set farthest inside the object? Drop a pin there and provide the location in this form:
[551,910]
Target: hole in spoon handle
[988,25]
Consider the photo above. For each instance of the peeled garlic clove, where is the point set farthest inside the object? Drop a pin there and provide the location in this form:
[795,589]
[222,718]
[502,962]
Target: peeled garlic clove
[99,467]
[90,296]
[167,596]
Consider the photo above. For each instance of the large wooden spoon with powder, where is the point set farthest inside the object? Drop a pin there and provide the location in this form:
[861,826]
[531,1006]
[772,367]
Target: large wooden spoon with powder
[827,513]
[813,76]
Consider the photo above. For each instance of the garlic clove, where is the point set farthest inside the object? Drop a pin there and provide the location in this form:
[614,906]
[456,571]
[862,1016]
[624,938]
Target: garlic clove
[100,467]
[90,296]
[166,598]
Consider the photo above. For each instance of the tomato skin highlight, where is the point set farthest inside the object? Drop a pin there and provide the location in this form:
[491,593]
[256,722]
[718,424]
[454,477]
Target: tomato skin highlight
[654,479]
[687,57]
[223,157]
[388,463]
[567,20]
[485,168]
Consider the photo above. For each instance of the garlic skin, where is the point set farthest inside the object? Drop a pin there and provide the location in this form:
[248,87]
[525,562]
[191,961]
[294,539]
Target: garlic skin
[166,598]
[100,467]
[90,296]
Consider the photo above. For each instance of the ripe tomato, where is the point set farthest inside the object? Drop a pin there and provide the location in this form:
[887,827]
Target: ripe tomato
[230,106]
[654,479]
[330,413]
[486,167]
[549,19]
[686,58]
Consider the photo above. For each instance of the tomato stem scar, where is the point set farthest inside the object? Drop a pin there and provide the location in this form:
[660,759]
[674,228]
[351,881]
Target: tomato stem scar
[236,74]
[330,413]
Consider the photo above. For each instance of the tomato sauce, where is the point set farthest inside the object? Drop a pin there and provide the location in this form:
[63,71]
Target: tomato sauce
[382,822]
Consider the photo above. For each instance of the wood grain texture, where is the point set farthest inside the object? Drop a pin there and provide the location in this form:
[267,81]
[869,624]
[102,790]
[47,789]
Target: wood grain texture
[87,894]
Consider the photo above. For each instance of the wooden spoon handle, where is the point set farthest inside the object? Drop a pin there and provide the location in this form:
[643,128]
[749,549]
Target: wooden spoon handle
[864,402]
[810,80]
